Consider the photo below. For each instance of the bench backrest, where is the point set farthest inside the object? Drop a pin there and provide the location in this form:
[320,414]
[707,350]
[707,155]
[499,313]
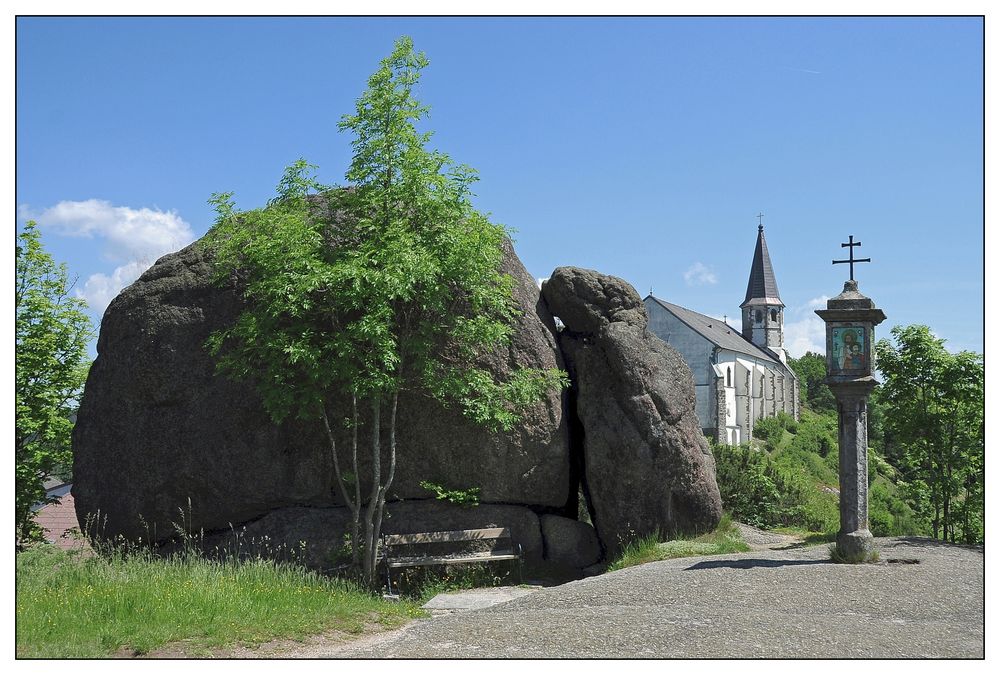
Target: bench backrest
[445,537]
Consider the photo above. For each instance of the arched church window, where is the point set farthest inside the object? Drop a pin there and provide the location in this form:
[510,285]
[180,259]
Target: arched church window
[729,377]
[758,316]
[774,315]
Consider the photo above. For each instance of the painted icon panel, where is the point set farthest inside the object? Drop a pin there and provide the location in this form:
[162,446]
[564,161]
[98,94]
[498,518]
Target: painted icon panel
[849,348]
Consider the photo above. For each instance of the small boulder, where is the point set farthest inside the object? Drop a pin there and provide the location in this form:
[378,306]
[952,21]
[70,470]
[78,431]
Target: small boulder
[569,543]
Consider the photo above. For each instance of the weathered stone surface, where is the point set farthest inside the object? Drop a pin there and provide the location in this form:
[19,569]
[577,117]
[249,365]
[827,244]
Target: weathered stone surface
[568,542]
[589,301]
[281,533]
[157,427]
[647,465]
[311,536]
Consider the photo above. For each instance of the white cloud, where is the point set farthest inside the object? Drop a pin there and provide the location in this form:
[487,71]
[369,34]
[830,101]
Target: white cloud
[135,238]
[807,333]
[127,232]
[699,275]
[101,289]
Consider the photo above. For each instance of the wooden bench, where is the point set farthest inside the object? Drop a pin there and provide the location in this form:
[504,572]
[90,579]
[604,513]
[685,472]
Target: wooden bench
[438,548]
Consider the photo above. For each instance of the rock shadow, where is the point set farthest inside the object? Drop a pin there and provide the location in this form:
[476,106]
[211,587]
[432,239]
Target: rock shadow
[750,563]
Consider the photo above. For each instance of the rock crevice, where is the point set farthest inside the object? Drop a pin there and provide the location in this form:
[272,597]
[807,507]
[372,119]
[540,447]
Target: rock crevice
[648,466]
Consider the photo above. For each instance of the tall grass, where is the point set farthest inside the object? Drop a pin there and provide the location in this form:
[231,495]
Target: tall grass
[69,605]
[726,538]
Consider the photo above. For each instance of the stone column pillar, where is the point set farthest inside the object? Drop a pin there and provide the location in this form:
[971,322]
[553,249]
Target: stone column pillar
[854,539]
[850,332]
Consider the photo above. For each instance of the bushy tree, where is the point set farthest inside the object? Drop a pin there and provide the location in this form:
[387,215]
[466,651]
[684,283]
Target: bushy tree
[932,420]
[51,336]
[811,371]
[755,490]
[356,294]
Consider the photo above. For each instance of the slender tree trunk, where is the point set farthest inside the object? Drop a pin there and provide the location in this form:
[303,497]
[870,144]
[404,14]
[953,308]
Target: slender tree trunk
[371,544]
[354,505]
[949,528]
[356,511]
[356,522]
[384,490]
[965,514]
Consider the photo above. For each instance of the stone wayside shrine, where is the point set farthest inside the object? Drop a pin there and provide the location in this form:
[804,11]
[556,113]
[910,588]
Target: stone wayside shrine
[850,333]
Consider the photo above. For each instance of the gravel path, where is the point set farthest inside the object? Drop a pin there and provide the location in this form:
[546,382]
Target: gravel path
[759,540]
[790,603]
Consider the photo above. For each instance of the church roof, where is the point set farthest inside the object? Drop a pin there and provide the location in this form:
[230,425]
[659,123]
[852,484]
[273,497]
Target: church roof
[762,289]
[716,331]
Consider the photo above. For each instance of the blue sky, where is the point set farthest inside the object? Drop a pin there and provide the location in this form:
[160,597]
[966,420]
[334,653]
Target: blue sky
[639,147]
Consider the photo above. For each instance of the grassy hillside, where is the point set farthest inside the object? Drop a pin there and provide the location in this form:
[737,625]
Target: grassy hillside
[789,478]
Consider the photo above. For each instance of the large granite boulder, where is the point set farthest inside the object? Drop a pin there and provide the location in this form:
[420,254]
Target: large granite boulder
[648,467]
[161,438]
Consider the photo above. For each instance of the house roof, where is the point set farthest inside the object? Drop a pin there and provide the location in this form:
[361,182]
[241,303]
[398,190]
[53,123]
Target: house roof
[762,288]
[57,520]
[716,331]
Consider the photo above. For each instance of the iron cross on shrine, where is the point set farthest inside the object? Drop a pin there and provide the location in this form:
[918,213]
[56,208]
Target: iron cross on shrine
[851,259]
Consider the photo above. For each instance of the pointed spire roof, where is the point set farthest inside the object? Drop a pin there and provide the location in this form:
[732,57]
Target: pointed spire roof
[762,289]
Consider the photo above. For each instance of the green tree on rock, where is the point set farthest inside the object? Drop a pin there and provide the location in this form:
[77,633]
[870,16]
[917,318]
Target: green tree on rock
[933,411]
[359,293]
[51,336]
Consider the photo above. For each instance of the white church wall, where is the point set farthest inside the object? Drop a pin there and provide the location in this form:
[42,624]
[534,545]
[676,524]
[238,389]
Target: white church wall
[697,352]
[727,366]
[770,387]
[730,406]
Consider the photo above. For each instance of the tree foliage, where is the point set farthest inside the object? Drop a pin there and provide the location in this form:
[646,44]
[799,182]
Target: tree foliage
[811,371]
[51,336]
[933,425]
[355,294]
[755,490]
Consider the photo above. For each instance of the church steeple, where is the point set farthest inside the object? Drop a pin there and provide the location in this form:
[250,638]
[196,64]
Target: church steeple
[762,308]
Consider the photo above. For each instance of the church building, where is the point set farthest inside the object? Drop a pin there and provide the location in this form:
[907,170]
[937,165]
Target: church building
[739,377]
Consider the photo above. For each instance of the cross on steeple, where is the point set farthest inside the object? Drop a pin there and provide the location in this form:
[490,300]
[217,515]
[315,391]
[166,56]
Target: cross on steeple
[851,259]
[760,221]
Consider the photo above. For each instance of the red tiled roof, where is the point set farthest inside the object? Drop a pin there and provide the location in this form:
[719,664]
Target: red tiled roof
[57,519]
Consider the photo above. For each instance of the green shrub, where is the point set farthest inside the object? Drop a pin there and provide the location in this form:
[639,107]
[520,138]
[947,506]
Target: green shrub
[888,514]
[820,510]
[754,489]
[467,497]
[770,430]
[817,434]
[788,422]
